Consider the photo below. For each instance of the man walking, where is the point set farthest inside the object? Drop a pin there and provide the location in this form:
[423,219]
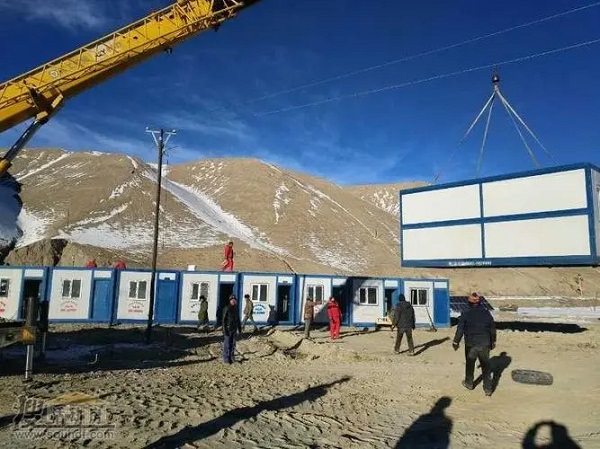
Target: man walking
[404,322]
[231,327]
[335,317]
[309,315]
[478,327]
[248,313]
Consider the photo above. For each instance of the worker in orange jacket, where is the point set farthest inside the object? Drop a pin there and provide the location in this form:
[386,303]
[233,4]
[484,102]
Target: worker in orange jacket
[228,255]
[334,312]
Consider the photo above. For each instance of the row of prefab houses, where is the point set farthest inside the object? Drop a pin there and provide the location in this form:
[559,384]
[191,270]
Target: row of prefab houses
[104,295]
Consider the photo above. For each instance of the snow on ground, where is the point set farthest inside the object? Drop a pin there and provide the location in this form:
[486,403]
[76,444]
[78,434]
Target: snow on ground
[29,173]
[165,169]
[32,226]
[133,162]
[102,218]
[120,189]
[387,201]
[137,237]
[336,259]
[555,312]
[280,198]
[211,213]
[10,208]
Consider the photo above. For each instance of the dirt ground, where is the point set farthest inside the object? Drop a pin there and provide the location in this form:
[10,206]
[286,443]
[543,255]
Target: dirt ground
[292,393]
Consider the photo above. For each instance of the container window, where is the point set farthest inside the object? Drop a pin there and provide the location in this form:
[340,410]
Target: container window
[260,292]
[368,296]
[316,293]
[4,288]
[419,296]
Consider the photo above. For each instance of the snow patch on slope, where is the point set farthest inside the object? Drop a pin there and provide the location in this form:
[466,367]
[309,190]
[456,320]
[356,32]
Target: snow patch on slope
[333,257]
[279,198]
[27,174]
[211,213]
[384,200]
[32,226]
[103,218]
[119,190]
[133,162]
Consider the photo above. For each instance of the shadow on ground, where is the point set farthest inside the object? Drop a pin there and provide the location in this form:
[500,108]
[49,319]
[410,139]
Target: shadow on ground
[430,430]
[230,418]
[534,326]
[106,348]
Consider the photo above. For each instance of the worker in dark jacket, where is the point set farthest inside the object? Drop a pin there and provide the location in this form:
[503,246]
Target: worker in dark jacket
[404,322]
[478,327]
[231,327]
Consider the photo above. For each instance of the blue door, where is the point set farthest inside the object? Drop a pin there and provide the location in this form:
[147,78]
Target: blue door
[101,300]
[441,307]
[166,301]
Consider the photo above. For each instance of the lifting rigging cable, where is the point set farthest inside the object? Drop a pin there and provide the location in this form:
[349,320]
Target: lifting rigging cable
[512,113]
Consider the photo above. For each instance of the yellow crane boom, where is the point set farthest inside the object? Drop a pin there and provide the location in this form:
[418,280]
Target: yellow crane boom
[40,93]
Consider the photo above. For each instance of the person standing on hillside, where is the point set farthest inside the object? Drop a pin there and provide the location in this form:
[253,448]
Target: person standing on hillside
[228,257]
[404,322]
[309,315]
[335,317]
[231,327]
[478,327]
[248,313]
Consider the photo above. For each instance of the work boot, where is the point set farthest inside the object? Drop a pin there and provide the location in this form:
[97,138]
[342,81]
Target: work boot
[467,385]
[488,392]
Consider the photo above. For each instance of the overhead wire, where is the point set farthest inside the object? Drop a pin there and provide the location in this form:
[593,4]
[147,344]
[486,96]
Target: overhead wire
[425,80]
[411,57]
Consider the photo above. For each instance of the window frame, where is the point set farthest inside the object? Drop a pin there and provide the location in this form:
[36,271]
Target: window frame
[199,290]
[313,295]
[366,301]
[418,290]
[136,294]
[67,293]
[259,286]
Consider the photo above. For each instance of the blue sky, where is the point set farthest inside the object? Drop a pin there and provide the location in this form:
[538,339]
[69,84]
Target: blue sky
[209,86]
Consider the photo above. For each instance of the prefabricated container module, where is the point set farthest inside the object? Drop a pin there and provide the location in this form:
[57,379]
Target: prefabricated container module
[545,217]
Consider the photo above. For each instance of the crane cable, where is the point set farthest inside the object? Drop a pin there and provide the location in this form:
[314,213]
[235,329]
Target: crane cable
[428,79]
[411,57]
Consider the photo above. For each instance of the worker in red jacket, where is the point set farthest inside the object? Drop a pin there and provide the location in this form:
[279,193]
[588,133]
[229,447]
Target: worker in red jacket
[120,265]
[91,264]
[335,317]
[228,254]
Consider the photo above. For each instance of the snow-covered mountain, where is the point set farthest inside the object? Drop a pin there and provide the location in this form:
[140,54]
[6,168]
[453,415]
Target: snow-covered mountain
[102,205]
[384,196]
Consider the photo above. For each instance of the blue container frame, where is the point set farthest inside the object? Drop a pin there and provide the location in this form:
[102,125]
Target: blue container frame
[296,287]
[292,299]
[590,211]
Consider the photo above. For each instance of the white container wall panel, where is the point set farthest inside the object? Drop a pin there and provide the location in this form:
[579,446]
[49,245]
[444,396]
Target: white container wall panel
[544,237]
[596,205]
[133,296]
[420,295]
[193,285]
[11,281]
[285,280]
[263,292]
[444,242]
[70,293]
[315,286]
[532,194]
[34,273]
[454,203]
[368,300]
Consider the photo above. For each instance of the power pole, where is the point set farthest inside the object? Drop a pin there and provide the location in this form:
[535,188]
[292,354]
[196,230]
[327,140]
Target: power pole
[161,137]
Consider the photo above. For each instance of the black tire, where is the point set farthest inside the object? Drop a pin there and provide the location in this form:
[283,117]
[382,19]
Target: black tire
[527,376]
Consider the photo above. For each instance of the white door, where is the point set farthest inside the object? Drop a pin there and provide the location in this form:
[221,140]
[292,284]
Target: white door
[420,295]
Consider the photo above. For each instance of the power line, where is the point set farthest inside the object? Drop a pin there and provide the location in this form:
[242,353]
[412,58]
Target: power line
[415,56]
[425,80]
